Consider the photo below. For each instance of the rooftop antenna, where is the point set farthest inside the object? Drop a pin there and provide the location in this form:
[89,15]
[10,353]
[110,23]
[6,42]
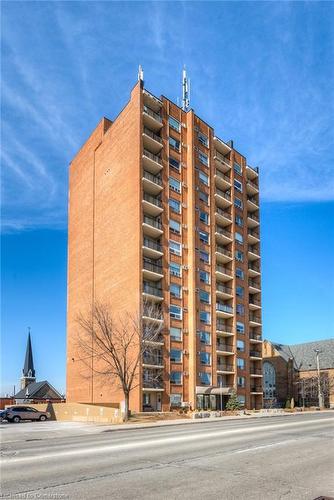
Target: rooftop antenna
[185,90]
[140,73]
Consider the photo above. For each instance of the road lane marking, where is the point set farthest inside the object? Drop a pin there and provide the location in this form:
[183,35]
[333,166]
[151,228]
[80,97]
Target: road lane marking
[156,442]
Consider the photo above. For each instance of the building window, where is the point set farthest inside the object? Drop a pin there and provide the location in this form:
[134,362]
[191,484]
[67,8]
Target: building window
[239,291]
[204,236]
[175,269]
[203,178]
[237,168]
[241,364]
[204,256]
[175,399]
[174,226]
[242,399]
[204,217]
[240,345]
[173,163]
[175,290]
[175,185]
[241,381]
[175,247]
[174,124]
[204,276]
[205,378]
[176,355]
[175,205]
[204,296]
[205,317]
[203,158]
[205,358]
[238,203]
[175,333]
[174,144]
[239,256]
[238,220]
[269,380]
[203,197]
[203,139]
[239,238]
[175,312]
[239,273]
[176,378]
[240,309]
[205,338]
[238,185]
[240,327]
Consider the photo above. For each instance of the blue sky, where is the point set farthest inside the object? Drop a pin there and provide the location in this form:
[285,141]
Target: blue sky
[261,73]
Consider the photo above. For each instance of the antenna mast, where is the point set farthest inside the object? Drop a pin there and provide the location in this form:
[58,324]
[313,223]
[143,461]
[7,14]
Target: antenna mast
[140,73]
[185,90]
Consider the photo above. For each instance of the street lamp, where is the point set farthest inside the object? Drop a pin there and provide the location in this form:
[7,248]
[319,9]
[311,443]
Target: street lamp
[320,398]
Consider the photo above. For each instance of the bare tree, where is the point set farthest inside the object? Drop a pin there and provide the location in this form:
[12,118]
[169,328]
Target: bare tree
[119,343]
[308,388]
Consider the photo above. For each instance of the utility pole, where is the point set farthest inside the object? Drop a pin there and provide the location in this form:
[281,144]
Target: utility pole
[320,398]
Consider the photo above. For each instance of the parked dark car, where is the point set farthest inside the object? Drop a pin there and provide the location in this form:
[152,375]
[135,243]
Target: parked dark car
[18,413]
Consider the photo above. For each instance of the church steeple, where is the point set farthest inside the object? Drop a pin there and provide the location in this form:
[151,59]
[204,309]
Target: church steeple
[28,372]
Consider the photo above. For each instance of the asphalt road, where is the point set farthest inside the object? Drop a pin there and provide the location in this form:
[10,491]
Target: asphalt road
[289,457]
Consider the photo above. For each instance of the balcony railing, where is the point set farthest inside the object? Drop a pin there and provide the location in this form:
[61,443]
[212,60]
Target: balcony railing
[223,250]
[150,336]
[153,359]
[222,158]
[223,270]
[152,290]
[151,134]
[253,267]
[253,317]
[222,327]
[150,266]
[252,216]
[148,312]
[224,308]
[255,336]
[152,199]
[153,178]
[223,213]
[225,368]
[257,388]
[153,384]
[254,233]
[256,371]
[223,232]
[220,346]
[224,194]
[152,113]
[153,157]
[152,222]
[253,199]
[255,354]
[154,245]
[255,302]
[253,249]
[224,289]
[253,185]
[223,176]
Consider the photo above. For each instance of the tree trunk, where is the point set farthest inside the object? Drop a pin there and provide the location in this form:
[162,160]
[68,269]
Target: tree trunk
[126,407]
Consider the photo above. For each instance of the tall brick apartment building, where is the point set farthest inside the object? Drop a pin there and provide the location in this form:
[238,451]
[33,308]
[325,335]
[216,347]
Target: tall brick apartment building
[161,208]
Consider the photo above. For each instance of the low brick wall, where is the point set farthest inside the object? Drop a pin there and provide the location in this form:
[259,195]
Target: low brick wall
[81,412]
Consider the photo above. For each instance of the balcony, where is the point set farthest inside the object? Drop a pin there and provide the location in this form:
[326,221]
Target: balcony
[223,199]
[256,390]
[253,236]
[152,183]
[151,248]
[152,205]
[223,216]
[252,187]
[254,303]
[155,293]
[253,252]
[255,337]
[255,372]
[152,270]
[153,360]
[252,173]
[151,338]
[252,203]
[152,119]
[153,384]
[253,270]
[222,235]
[255,355]
[254,320]
[224,348]
[223,273]
[152,227]
[223,181]
[152,141]
[224,291]
[223,254]
[252,220]
[224,368]
[152,314]
[223,329]
[152,162]
[224,310]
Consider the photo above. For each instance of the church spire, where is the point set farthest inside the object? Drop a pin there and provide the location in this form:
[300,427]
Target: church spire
[28,372]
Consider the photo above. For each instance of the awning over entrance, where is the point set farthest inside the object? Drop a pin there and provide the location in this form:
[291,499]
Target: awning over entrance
[213,390]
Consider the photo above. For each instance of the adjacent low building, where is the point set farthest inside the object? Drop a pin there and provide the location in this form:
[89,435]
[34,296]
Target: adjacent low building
[291,371]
